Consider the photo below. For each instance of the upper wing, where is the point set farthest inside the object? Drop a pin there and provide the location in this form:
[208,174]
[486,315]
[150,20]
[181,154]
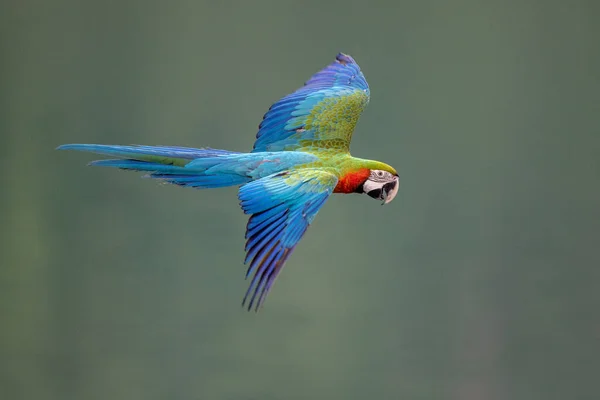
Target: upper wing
[321,114]
[282,206]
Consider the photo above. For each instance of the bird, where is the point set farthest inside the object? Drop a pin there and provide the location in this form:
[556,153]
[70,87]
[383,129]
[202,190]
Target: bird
[301,156]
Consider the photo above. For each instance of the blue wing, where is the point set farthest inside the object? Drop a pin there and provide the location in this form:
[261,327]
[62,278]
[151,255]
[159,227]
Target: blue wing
[320,115]
[282,206]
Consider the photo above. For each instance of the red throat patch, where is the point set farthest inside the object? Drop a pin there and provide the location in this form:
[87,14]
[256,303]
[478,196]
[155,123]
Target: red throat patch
[351,181]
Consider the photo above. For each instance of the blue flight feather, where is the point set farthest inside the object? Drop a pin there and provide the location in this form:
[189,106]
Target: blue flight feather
[282,206]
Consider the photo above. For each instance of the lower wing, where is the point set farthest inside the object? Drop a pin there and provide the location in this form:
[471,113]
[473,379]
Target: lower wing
[282,206]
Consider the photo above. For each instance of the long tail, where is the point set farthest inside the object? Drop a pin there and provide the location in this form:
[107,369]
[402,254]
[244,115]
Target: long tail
[170,164]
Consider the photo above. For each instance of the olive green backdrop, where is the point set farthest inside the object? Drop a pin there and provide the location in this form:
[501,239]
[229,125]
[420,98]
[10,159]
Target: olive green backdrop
[480,281]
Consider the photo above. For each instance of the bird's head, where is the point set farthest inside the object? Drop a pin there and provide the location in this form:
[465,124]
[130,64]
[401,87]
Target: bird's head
[381,184]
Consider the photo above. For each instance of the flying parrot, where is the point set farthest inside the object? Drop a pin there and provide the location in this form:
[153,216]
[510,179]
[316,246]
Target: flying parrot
[300,157]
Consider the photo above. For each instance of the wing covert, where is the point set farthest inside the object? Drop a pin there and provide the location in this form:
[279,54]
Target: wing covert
[282,206]
[320,115]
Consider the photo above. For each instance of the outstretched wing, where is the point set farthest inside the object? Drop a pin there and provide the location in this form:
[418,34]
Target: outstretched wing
[282,206]
[320,115]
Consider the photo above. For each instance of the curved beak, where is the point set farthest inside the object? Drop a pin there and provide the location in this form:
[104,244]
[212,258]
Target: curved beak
[390,190]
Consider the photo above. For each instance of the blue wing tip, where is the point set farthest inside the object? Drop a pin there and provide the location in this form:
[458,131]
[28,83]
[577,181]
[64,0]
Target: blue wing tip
[344,59]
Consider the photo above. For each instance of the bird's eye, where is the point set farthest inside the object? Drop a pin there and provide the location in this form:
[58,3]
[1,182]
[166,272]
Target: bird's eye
[380,174]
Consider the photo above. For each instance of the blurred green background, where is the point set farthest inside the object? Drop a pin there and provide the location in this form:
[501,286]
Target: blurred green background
[480,281]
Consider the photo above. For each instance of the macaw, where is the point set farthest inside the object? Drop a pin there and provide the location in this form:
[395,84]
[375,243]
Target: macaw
[300,157]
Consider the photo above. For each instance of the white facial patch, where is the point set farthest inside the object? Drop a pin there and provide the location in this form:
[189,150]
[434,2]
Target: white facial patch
[370,185]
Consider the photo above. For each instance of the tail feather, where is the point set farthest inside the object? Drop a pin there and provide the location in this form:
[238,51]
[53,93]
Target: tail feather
[161,154]
[167,163]
[137,165]
[202,181]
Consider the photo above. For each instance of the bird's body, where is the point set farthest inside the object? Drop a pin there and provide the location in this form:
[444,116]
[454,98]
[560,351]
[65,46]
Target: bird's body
[301,156]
